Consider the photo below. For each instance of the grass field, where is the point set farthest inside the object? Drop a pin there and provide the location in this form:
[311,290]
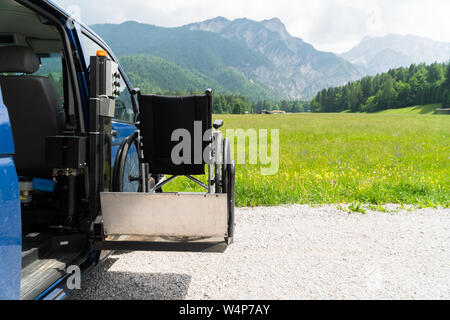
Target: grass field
[423,109]
[348,158]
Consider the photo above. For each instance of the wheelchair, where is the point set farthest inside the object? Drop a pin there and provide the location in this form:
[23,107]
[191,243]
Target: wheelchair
[145,164]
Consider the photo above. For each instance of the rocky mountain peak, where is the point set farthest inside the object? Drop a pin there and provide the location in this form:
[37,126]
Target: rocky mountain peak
[379,54]
[275,25]
[215,25]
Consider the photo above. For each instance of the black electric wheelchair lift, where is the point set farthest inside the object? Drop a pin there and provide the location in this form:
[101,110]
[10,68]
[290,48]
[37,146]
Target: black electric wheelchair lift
[171,221]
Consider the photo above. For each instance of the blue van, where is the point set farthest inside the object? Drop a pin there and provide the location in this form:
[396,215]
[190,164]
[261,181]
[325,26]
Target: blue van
[76,179]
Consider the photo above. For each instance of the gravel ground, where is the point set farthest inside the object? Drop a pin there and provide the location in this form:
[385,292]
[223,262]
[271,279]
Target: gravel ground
[295,252]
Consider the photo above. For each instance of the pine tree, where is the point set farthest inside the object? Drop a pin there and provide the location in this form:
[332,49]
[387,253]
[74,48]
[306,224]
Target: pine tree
[446,99]
[435,73]
[446,89]
[447,77]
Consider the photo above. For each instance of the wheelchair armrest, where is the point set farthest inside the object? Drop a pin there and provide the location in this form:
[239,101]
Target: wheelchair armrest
[218,124]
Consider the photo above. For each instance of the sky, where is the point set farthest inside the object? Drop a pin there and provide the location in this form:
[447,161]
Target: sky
[329,25]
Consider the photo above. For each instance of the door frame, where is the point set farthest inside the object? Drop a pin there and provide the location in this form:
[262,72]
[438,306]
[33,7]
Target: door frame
[10,218]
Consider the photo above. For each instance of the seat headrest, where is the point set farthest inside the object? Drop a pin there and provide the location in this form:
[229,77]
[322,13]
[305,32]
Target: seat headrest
[18,59]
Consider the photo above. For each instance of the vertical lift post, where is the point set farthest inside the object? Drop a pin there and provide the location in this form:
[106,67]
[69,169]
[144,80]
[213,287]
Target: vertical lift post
[150,219]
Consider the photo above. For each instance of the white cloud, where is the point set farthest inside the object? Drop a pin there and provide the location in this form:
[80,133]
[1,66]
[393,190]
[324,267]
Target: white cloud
[331,25]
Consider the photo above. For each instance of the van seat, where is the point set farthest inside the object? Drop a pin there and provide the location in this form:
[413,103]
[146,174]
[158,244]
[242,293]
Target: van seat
[33,108]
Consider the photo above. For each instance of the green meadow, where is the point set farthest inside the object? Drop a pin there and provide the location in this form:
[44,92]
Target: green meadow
[375,159]
[424,109]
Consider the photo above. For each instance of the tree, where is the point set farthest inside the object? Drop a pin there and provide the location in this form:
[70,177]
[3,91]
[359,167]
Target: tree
[370,105]
[355,95]
[387,96]
[403,93]
[366,87]
[447,78]
[435,73]
[401,87]
[446,100]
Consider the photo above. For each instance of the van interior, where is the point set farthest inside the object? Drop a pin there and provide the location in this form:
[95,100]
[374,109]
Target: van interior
[38,94]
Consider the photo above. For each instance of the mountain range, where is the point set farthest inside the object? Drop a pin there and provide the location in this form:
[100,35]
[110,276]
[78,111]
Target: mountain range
[380,54]
[257,59]
[296,69]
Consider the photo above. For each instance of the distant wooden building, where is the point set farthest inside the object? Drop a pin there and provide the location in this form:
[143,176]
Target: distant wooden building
[273,112]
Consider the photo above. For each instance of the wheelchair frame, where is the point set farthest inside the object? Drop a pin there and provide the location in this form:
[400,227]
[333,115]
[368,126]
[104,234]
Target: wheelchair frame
[219,155]
[219,192]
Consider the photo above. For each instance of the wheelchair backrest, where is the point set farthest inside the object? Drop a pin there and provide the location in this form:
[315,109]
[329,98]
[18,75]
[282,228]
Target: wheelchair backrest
[160,116]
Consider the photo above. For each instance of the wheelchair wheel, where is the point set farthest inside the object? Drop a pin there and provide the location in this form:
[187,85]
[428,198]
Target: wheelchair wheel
[220,175]
[225,161]
[230,172]
[218,178]
[126,169]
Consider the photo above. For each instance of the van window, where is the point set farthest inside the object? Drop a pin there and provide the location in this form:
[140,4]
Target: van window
[52,68]
[90,46]
[124,105]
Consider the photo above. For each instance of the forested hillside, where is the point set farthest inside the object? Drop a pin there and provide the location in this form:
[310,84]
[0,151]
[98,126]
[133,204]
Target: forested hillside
[203,59]
[236,104]
[157,75]
[402,87]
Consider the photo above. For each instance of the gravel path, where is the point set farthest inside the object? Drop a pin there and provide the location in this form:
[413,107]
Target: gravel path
[295,252]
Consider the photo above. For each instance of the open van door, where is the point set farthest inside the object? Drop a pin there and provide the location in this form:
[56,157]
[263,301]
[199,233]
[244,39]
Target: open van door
[10,220]
[150,220]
